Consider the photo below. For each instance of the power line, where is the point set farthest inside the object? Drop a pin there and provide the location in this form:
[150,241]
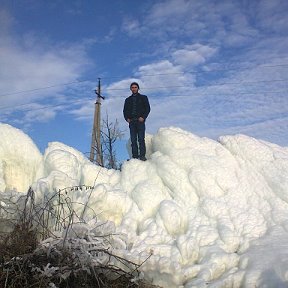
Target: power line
[220,84]
[42,88]
[197,72]
[40,108]
[229,94]
[143,75]
[166,96]
[158,87]
[211,94]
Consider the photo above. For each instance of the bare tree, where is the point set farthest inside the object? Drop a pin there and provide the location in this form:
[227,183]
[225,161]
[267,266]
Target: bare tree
[110,133]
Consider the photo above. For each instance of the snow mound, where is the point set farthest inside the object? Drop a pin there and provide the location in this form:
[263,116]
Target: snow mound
[20,160]
[200,210]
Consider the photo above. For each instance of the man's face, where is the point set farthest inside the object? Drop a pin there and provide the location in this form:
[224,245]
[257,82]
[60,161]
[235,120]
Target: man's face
[134,89]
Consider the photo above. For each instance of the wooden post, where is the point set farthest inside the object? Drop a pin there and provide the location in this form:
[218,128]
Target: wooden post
[96,131]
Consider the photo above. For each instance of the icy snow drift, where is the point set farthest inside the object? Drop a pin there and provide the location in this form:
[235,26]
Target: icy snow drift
[20,160]
[212,214]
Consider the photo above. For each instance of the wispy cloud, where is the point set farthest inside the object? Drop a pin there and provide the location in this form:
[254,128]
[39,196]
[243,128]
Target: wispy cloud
[39,113]
[223,75]
[192,55]
[211,67]
[234,84]
[32,62]
[223,23]
[131,26]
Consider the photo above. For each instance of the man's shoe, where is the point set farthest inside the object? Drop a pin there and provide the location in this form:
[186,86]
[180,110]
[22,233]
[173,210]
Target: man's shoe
[143,158]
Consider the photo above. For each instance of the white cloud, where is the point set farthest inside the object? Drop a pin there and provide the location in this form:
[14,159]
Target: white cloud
[34,113]
[26,69]
[193,55]
[168,75]
[167,10]
[220,23]
[40,114]
[162,73]
[131,26]
[162,76]
[240,101]
[207,104]
[85,111]
[272,16]
[122,85]
[165,77]
[30,63]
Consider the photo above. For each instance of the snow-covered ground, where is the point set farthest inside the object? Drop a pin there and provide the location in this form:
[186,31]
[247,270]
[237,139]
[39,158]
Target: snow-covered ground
[210,213]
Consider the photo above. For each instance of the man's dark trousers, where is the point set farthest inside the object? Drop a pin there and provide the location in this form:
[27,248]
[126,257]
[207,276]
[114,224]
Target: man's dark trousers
[137,132]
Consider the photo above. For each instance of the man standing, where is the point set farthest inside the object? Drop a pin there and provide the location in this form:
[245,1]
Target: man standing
[136,110]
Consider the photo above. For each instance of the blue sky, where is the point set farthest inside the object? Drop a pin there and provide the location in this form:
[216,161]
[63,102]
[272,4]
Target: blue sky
[211,67]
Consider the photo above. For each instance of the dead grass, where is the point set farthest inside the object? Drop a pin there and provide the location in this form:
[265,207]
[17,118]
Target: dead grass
[24,262]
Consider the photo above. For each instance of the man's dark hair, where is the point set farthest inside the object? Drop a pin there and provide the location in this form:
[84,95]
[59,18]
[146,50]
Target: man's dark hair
[134,83]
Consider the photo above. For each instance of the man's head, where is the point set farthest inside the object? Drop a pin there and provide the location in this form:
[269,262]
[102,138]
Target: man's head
[134,87]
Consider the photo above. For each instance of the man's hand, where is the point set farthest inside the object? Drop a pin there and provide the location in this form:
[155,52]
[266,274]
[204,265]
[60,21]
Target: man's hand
[141,119]
[128,120]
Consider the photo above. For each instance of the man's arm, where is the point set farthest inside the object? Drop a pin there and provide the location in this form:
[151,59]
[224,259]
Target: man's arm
[125,110]
[147,108]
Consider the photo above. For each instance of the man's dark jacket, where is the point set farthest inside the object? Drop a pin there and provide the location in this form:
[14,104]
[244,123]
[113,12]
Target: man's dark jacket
[142,107]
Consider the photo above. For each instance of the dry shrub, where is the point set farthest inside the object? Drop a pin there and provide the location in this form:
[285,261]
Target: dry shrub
[21,240]
[63,262]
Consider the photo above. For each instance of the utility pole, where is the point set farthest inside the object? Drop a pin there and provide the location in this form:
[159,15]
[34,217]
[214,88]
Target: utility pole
[96,132]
